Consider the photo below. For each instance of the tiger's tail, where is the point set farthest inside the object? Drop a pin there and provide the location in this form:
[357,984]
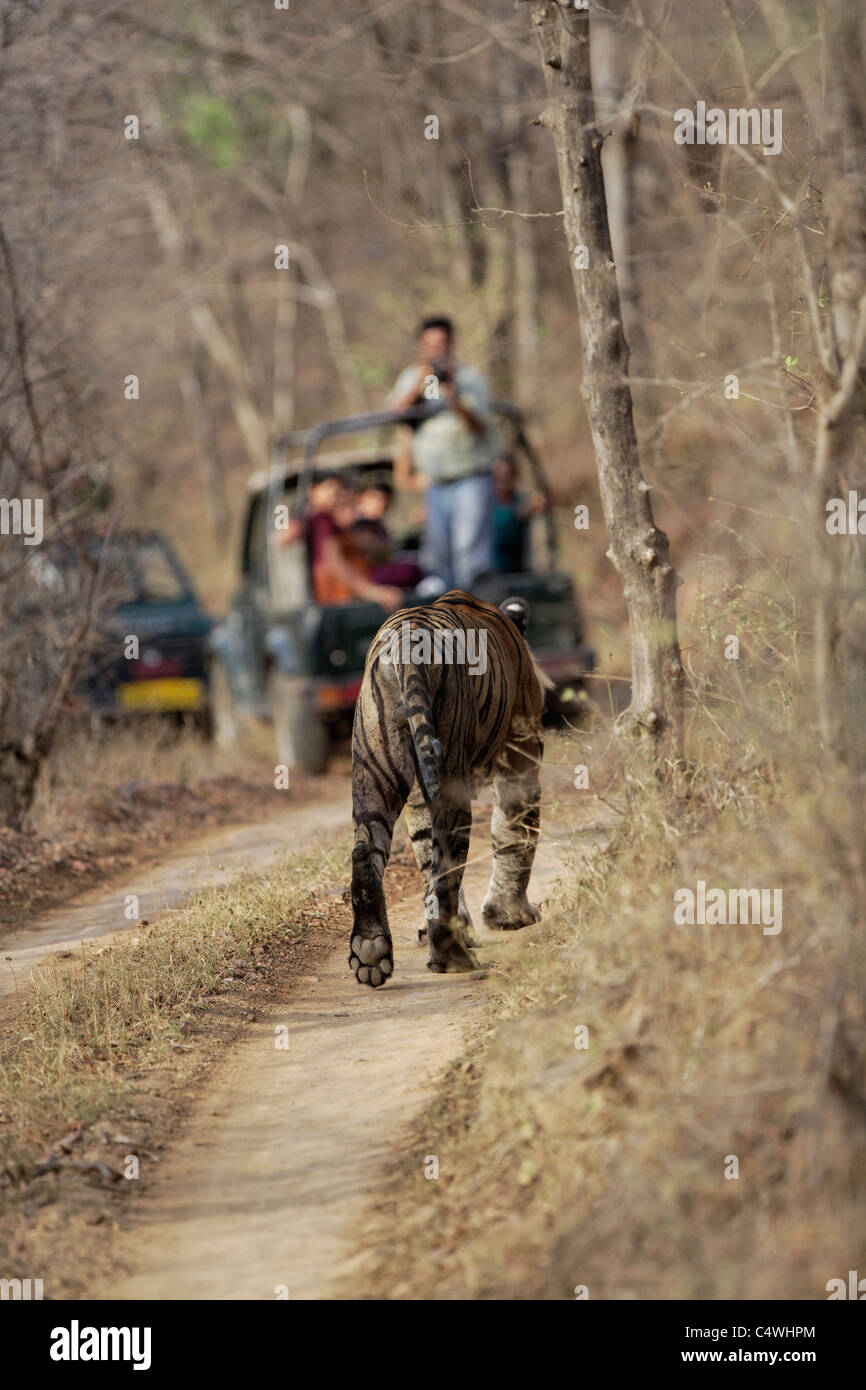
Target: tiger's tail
[419,718]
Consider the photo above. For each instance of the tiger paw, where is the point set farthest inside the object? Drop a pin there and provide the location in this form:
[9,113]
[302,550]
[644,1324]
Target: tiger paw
[371,959]
[464,932]
[452,958]
[508,914]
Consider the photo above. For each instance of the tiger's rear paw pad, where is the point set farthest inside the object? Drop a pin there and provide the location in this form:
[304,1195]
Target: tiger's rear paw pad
[371,960]
[509,914]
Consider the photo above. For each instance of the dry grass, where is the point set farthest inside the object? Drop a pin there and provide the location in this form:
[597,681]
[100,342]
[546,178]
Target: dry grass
[150,750]
[605,1167]
[110,801]
[84,1033]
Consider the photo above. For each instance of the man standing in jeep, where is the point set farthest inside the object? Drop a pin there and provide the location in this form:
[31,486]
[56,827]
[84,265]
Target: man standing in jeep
[453,455]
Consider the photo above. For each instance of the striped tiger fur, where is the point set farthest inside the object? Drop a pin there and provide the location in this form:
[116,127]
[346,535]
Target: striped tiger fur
[427,736]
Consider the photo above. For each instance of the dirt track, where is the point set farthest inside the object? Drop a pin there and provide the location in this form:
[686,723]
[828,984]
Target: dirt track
[283,1150]
[210,859]
[286,1146]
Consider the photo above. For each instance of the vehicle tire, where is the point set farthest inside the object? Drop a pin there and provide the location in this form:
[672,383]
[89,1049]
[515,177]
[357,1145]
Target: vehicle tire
[300,735]
[224,719]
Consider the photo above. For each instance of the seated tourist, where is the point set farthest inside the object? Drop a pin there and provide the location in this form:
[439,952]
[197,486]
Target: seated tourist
[337,563]
[371,505]
[371,534]
[512,512]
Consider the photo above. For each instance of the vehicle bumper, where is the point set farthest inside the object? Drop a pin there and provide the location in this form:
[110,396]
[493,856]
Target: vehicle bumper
[331,697]
[168,695]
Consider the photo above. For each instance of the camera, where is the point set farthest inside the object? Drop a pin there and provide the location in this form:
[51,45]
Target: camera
[441,369]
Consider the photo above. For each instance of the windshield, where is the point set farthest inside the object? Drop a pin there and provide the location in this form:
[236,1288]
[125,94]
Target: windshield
[132,570]
[142,573]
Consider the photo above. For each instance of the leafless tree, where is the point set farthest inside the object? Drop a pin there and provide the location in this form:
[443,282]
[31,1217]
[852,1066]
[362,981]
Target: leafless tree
[52,475]
[637,547]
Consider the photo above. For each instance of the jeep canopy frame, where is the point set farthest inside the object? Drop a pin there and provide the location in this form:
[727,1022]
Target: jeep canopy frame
[308,441]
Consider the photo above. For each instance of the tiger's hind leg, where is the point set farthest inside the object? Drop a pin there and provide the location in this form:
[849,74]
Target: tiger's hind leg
[419,824]
[516,815]
[370,950]
[382,775]
[451,823]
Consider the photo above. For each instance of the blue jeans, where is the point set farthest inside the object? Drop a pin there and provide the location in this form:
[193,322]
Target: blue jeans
[459,543]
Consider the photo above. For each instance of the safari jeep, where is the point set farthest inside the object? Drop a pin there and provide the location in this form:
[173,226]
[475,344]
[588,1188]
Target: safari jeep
[281,657]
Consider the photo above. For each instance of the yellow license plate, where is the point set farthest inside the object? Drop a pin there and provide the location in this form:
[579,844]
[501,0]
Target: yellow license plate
[182,692]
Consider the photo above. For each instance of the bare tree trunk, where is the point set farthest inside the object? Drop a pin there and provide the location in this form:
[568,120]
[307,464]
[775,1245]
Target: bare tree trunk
[449,187]
[320,292]
[840,660]
[617,116]
[285,326]
[193,389]
[840,638]
[286,320]
[213,337]
[28,725]
[18,777]
[525,279]
[326,299]
[42,647]
[637,547]
[494,293]
[806,54]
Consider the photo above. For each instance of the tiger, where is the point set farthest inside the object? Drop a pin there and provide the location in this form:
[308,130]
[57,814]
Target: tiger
[427,735]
